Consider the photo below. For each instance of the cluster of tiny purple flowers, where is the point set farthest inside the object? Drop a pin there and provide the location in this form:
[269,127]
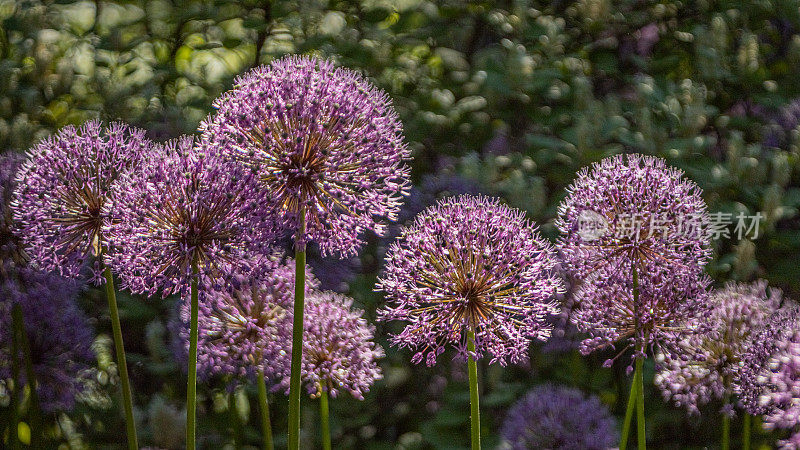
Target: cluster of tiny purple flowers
[63,201]
[323,142]
[705,364]
[663,260]
[470,264]
[558,418]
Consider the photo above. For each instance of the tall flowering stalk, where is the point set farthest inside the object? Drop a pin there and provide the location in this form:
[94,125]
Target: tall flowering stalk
[63,209]
[186,215]
[245,328]
[339,353]
[327,148]
[635,234]
[471,273]
[705,364]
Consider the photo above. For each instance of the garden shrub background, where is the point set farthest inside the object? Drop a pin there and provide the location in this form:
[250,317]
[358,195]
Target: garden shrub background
[506,98]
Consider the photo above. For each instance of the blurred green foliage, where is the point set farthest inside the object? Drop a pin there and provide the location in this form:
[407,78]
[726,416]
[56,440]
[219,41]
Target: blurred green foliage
[515,96]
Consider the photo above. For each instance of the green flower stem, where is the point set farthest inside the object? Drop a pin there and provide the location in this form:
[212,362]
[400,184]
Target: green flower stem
[626,425]
[191,384]
[746,426]
[475,411]
[15,347]
[30,375]
[122,365]
[263,403]
[297,334]
[639,380]
[325,419]
[726,432]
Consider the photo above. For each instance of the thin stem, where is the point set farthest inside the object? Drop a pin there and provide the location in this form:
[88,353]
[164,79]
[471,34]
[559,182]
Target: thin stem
[626,425]
[191,384]
[30,376]
[236,421]
[639,380]
[746,426]
[122,365]
[297,332]
[15,345]
[263,403]
[325,420]
[474,406]
[726,432]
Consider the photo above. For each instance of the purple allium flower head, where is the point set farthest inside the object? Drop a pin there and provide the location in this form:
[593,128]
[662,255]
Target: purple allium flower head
[318,137]
[470,263]
[339,352]
[634,212]
[59,334]
[184,206]
[762,347]
[558,418]
[780,385]
[633,208]
[11,247]
[63,200]
[670,304]
[705,364]
[244,326]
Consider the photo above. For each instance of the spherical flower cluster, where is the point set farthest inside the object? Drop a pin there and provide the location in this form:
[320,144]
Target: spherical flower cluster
[780,397]
[763,346]
[63,200]
[59,335]
[558,418]
[633,208]
[184,208]
[705,364]
[320,139]
[11,247]
[245,326]
[633,222]
[470,264]
[339,352]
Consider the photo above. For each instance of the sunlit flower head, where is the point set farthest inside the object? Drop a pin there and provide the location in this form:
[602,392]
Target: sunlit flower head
[633,209]
[470,264]
[63,200]
[245,325]
[184,207]
[705,364]
[558,418]
[339,352]
[59,334]
[756,363]
[319,138]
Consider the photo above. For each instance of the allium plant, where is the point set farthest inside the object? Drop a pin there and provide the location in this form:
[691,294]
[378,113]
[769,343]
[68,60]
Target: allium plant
[558,418]
[245,327]
[64,202]
[764,344]
[475,274]
[339,352]
[780,387]
[326,146]
[703,365]
[636,233]
[64,205]
[58,336]
[186,214]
